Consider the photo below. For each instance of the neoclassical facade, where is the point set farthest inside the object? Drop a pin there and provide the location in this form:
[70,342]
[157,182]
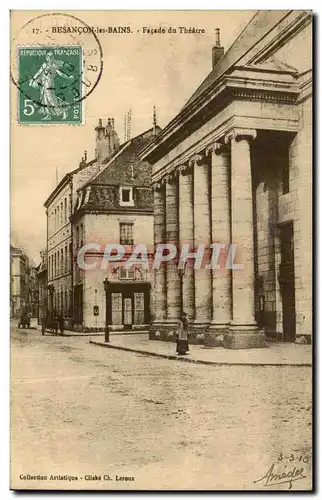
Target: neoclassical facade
[234,167]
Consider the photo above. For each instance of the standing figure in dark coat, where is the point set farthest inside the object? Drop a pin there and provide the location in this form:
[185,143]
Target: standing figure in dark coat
[43,326]
[61,323]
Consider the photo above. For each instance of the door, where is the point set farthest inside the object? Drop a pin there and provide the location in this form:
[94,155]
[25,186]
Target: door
[287,282]
[127,311]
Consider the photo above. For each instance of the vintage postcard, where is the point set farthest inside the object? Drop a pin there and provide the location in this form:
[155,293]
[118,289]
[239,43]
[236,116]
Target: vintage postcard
[161,250]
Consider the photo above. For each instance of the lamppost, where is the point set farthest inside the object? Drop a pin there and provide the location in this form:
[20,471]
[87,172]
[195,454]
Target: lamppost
[107,331]
[51,290]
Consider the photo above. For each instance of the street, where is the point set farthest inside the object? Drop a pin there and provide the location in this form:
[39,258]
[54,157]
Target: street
[101,415]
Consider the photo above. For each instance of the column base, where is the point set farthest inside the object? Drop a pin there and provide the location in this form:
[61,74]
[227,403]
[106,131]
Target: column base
[303,339]
[198,331]
[215,335]
[244,337]
[163,330]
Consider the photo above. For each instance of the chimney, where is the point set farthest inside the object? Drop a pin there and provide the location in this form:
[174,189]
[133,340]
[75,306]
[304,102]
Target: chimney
[85,155]
[217,50]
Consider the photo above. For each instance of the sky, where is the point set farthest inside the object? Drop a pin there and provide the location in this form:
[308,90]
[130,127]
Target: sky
[140,71]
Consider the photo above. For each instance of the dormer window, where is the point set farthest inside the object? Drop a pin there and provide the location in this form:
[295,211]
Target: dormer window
[126,196]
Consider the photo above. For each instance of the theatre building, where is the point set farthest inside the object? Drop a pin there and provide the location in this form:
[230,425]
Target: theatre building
[235,167]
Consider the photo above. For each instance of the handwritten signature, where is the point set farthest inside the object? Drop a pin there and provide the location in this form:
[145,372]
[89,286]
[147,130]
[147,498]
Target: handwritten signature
[275,476]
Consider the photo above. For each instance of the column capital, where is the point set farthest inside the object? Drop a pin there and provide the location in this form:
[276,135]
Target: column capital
[169,178]
[196,160]
[239,134]
[216,147]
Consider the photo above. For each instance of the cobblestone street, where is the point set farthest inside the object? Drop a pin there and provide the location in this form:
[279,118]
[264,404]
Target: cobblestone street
[81,410]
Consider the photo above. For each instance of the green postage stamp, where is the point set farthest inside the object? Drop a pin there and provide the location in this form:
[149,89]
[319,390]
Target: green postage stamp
[50,85]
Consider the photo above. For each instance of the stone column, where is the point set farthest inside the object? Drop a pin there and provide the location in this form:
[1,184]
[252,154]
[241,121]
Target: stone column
[201,221]
[160,297]
[172,236]
[220,234]
[244,332]
[186,237]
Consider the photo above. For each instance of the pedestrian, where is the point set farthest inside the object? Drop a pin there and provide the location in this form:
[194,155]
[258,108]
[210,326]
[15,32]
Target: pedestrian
[61,323]
[43,326]
[182,335]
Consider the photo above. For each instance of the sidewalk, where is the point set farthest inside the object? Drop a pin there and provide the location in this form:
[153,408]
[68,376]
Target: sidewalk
[275,354]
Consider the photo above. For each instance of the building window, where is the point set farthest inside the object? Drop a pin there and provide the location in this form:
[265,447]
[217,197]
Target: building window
[126,233]
[66,258]
[88,192]
[126,273]
[139,308]
[126,196]
[69,205]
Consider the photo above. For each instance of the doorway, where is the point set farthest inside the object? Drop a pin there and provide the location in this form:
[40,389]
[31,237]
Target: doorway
[287,281]
[128,305]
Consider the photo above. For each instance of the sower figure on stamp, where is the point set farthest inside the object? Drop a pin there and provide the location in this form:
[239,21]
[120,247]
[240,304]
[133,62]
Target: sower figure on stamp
[45,79]
[182,335]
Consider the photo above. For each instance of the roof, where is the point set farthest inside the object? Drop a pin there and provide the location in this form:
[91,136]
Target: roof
[258,27]
[15,250]
[105,199]
[128,154]
[253,49]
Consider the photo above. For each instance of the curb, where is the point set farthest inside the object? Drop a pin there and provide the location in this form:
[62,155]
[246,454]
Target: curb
[75,334]
[98,334]
[191,360]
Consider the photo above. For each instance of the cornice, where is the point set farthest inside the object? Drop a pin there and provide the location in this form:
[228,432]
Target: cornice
[306,87]
[156,187]
[195,160]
